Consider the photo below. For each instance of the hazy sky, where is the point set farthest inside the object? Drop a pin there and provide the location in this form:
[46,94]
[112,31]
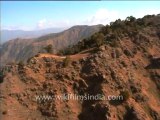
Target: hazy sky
[31,15]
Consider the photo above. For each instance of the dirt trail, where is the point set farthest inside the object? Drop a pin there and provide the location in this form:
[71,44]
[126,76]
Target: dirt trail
[73,57]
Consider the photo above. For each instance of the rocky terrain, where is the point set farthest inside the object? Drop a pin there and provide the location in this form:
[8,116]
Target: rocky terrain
[130,69]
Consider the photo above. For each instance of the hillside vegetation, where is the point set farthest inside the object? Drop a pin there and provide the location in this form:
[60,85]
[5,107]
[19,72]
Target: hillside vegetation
[115,32]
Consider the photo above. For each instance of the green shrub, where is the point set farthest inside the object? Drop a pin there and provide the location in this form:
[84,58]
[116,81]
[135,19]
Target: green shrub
[49,48]
[20,64]
[1,76]
[48,64]
[29,59]
[115,43]
[125,95]
[118,53]
[99,40]
[66,61]
[131,19]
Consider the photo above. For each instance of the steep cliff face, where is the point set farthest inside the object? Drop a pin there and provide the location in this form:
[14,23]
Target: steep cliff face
[124,77]
[22,49]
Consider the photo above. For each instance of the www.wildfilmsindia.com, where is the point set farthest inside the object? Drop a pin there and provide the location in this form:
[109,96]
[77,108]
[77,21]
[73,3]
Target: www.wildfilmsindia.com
[64,97]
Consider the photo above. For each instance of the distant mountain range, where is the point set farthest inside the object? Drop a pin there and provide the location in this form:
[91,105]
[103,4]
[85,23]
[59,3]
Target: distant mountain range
[21,49]
[7,35]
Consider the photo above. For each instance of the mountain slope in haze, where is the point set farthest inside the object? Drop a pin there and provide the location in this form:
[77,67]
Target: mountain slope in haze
[125,65]
[7,35]
[22,49]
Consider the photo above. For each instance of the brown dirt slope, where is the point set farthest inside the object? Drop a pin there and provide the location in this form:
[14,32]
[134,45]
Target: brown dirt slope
[106,72]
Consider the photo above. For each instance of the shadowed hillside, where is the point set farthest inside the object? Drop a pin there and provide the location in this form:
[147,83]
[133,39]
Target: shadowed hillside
[22,49]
